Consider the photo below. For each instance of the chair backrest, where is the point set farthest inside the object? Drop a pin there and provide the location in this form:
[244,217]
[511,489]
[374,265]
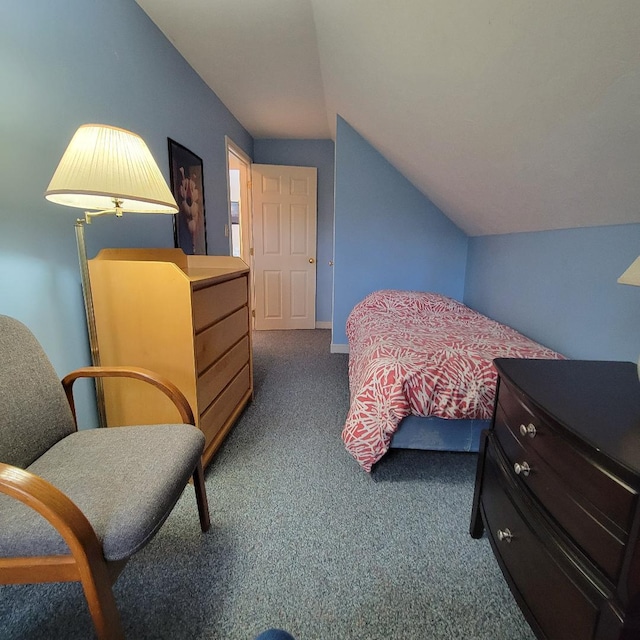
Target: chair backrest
[34,412]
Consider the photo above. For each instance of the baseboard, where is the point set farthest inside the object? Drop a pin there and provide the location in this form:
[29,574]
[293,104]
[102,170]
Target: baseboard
[324,325]
[339,348]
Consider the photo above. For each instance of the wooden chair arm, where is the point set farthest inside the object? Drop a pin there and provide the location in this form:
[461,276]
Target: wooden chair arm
[56,508]
[138,373]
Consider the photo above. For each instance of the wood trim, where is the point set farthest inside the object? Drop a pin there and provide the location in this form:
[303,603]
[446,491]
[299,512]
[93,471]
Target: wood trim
[31,569]
[52,504]
[138,373]
[219,437]
[73,526]
[177,256]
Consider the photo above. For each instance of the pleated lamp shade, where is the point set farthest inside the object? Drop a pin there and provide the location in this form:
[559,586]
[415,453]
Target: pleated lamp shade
[632,274]
[105,164]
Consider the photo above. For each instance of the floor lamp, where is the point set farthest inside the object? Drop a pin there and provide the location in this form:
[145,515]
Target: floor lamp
[106,170]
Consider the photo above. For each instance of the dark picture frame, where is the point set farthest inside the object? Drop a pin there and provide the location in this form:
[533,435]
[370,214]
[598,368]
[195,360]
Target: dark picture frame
[187,186]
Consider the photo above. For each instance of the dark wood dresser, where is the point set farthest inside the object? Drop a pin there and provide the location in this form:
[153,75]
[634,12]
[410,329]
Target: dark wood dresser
[557,491]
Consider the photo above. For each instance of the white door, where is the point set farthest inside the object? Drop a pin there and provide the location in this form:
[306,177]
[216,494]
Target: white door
[284,243]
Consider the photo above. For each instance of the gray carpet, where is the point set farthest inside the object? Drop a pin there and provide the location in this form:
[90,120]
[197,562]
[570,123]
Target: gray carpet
[301,537]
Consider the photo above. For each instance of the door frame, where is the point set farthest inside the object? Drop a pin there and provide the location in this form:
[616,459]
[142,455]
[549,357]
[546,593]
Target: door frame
[246,210]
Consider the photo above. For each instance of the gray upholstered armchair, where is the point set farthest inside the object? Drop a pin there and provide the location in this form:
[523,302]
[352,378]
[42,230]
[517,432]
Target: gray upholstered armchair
[75,505]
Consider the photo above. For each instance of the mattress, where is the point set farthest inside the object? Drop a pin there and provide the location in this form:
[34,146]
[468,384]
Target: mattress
[423,354]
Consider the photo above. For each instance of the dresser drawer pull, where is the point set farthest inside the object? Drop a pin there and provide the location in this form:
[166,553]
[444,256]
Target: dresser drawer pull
[522,468]
[529,430]
[505,535]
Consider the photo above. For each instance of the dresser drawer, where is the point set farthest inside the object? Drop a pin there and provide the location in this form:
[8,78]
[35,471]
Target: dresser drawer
[216,377]
[217,301]
[615,499]
[216,340]
[530,565]
[215,416]
[592,531]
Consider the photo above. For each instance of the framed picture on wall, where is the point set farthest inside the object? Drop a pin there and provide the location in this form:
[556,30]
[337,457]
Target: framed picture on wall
[189,224]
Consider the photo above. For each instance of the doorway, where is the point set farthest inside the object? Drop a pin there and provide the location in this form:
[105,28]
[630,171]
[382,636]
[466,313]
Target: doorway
[239,226]
[284,240]
[277,240]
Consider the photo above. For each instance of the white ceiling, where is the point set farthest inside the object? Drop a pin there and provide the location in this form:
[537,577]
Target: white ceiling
[510,115]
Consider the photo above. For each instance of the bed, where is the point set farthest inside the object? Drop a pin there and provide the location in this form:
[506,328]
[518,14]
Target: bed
[421,373]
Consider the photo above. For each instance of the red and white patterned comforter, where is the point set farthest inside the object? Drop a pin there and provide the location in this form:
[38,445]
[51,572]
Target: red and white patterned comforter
[423,354]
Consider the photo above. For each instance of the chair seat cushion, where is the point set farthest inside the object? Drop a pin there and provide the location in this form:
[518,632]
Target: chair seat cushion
[125,480]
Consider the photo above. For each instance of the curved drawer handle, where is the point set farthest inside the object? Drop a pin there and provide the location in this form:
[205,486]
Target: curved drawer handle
[505,535]
[522,468]
[529,430]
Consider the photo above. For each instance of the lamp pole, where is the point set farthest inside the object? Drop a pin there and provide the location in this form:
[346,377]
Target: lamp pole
[91,318]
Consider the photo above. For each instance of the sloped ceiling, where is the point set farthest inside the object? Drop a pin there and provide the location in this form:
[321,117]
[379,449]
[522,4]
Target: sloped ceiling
[510,115]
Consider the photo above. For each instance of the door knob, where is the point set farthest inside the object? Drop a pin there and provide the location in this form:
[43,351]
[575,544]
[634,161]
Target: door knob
[311,260]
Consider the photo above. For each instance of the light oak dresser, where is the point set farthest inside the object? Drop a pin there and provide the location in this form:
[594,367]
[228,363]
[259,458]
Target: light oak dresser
[557,490]
[186,317]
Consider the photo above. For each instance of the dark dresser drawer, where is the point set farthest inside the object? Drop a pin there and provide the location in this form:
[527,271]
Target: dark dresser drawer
[529,563]
[591,482]
[591,529]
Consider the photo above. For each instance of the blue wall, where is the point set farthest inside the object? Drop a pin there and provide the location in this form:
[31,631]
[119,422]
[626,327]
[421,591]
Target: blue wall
[320,154]
[64,64]
[387,233]
[560,288]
